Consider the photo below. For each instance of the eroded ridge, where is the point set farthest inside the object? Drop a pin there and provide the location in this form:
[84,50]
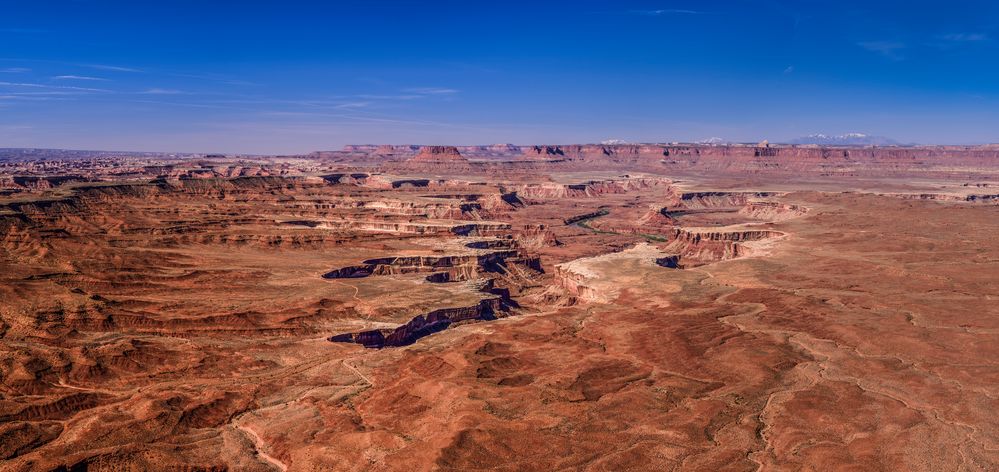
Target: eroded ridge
[604,301]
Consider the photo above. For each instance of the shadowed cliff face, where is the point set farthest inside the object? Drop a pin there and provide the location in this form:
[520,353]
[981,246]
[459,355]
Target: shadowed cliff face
[626,320]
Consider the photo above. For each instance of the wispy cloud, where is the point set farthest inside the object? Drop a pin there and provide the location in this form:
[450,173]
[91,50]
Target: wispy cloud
[55,87]
[352,105]
[412,93]
[666,11]
[43,92]
[789,70]
[78,77]
[964,37]
[431,91]
[390,97]
[162,91]
[15,70]
[111,68]
[182,104]
[38,96]
[890,49]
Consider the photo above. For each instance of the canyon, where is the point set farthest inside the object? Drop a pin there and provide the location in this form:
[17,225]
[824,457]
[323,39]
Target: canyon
[502,307]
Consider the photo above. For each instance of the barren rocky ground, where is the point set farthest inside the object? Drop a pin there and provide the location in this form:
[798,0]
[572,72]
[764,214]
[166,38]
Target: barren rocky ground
[556,310]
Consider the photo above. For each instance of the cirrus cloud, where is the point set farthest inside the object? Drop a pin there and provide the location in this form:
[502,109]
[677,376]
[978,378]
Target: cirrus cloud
[77,77]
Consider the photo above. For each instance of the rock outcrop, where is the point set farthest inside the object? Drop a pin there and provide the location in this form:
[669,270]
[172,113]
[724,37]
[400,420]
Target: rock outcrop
[438,154]
[593,188]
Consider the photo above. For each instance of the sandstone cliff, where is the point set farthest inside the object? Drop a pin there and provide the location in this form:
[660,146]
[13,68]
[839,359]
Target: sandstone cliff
[439,154]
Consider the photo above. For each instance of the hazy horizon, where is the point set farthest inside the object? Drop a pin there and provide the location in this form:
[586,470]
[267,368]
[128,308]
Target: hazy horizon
[338,148]
[291,78]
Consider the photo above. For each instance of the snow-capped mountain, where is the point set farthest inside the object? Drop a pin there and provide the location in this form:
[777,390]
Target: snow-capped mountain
[713,140]
[848,139]
[612,142]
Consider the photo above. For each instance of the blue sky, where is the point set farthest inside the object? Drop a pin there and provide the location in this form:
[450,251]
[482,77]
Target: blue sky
[293,76]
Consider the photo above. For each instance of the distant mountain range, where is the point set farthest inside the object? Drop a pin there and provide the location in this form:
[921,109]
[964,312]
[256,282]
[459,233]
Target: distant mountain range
[849,139]
[713,140]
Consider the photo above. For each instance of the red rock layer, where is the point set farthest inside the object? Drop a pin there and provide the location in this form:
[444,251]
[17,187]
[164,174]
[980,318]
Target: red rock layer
[439,154]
